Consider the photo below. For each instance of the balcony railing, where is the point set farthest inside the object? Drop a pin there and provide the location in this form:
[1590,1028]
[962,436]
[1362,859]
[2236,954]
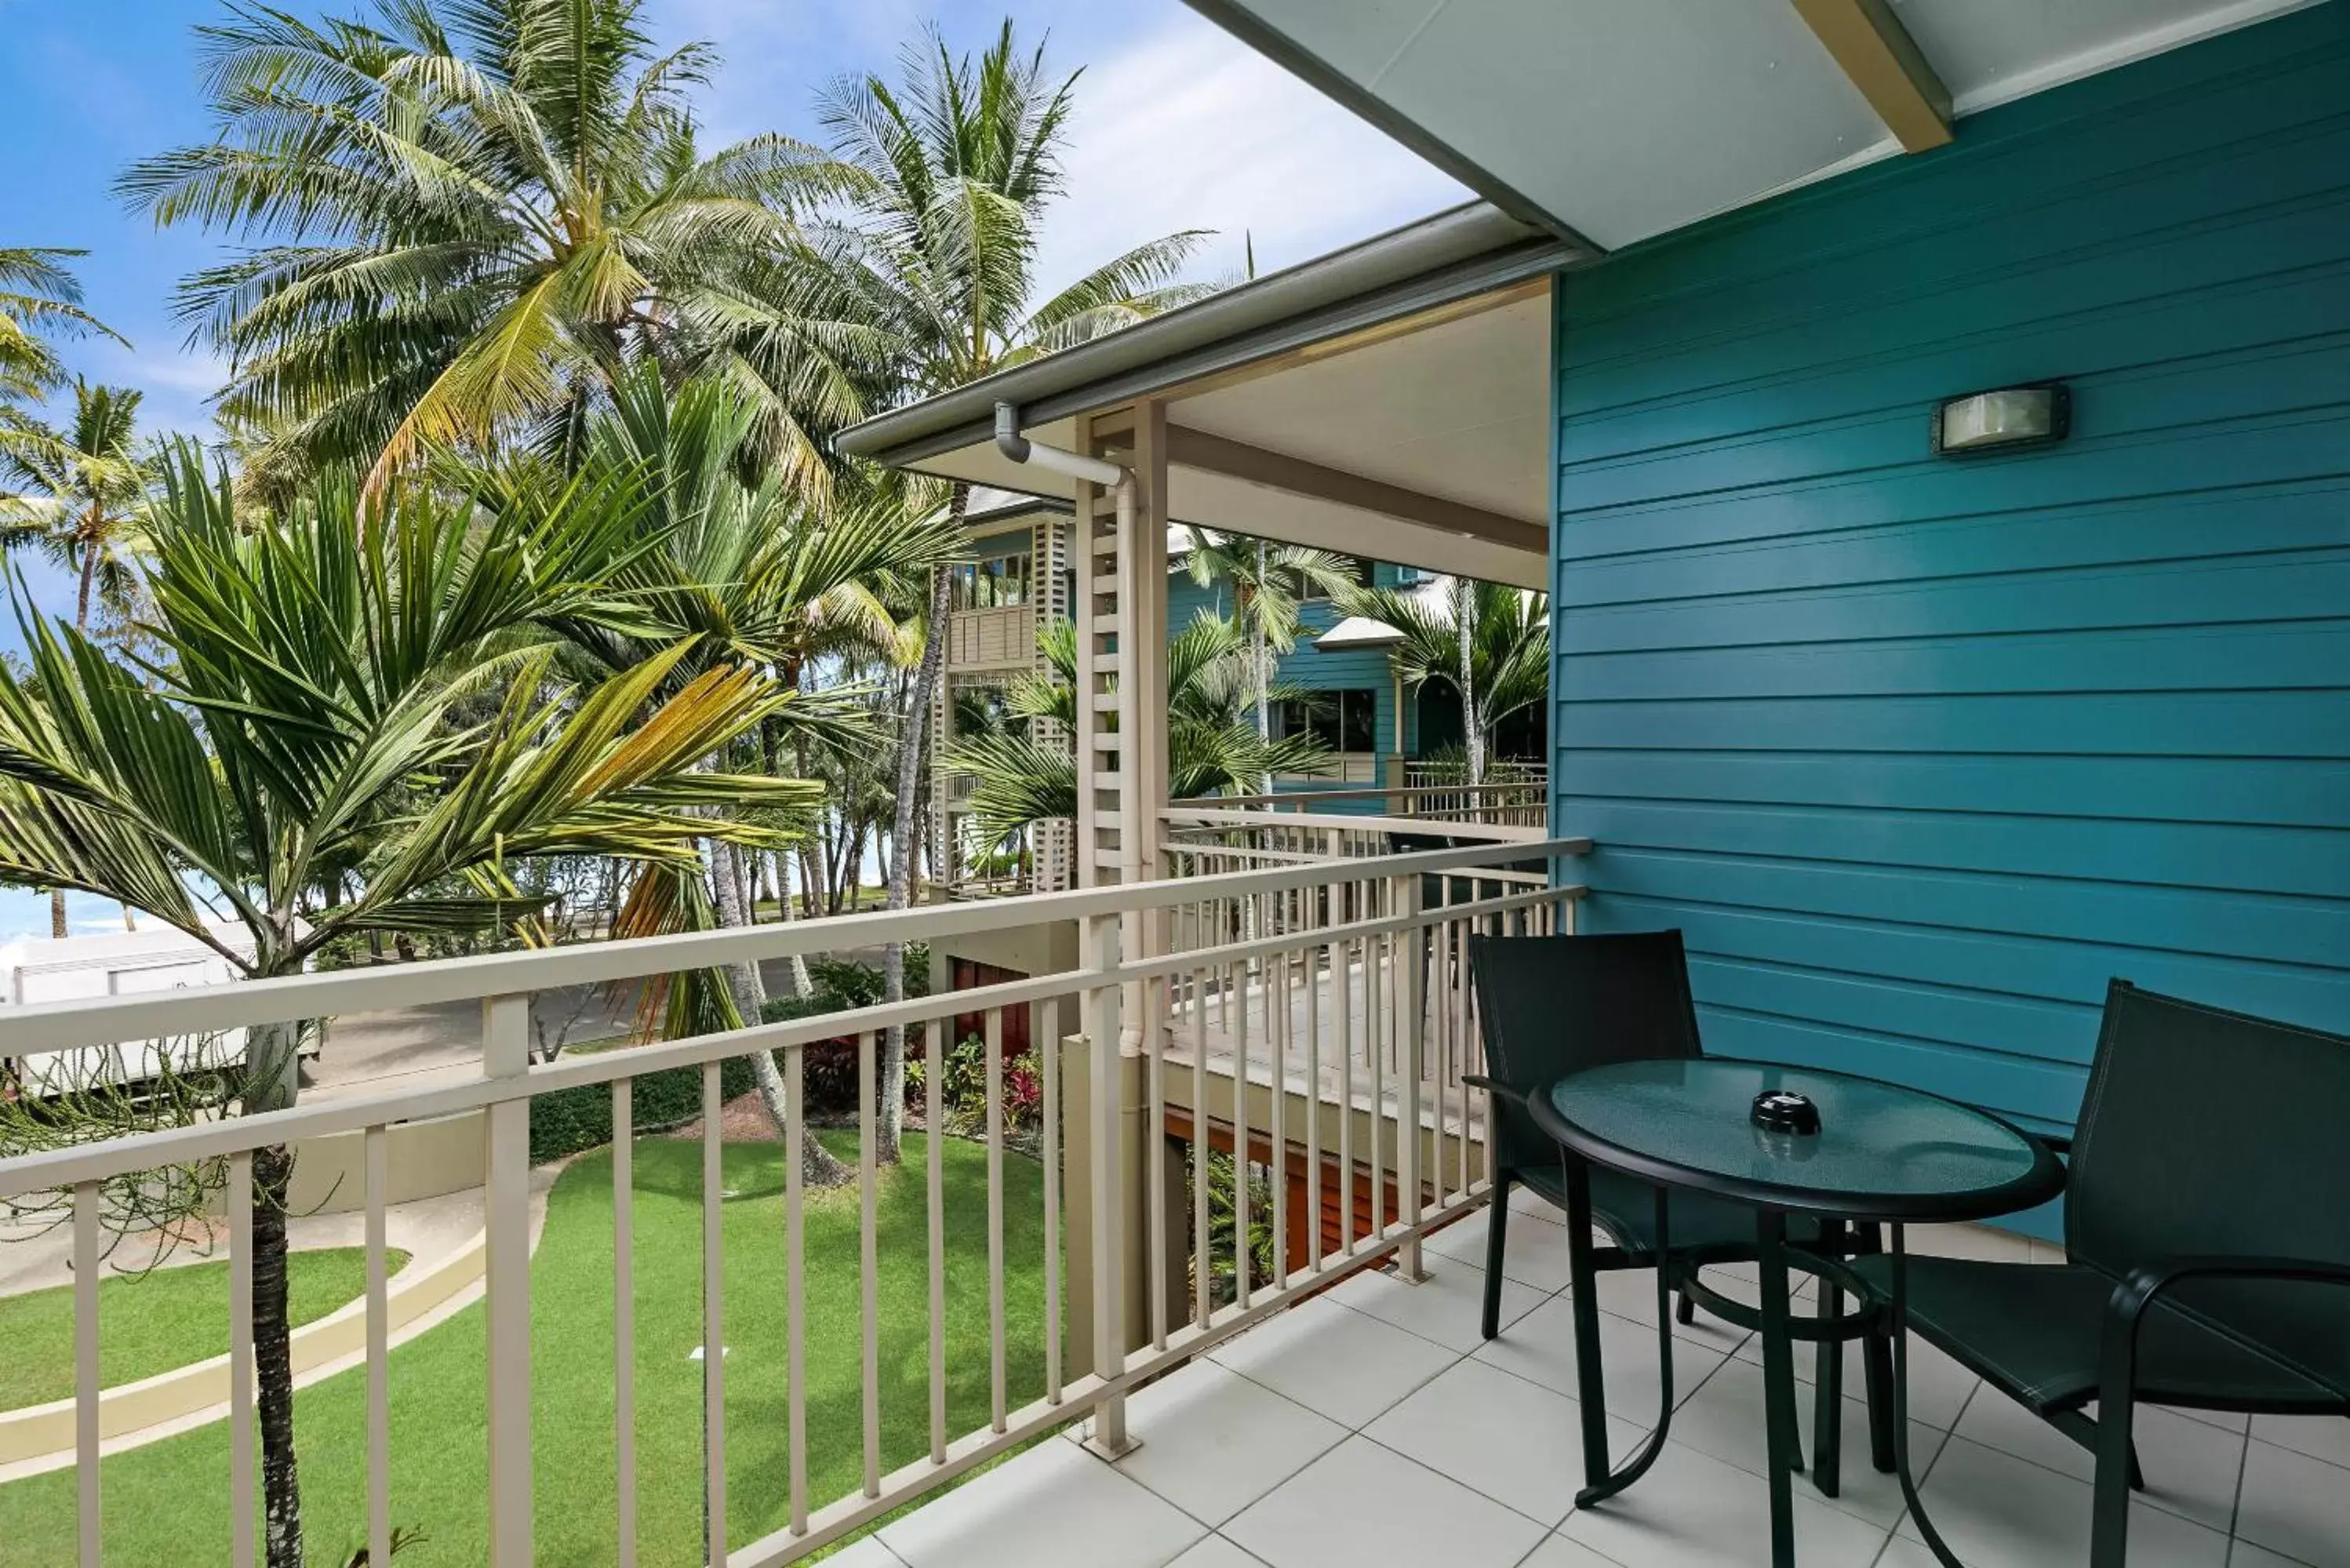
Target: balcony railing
[1499,802]
[1317,1011]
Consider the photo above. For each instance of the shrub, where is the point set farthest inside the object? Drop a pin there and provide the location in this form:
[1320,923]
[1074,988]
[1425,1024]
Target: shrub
[570,1120]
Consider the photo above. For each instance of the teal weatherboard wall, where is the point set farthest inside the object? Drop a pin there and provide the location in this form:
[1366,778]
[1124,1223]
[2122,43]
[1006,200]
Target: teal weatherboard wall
[1919,752]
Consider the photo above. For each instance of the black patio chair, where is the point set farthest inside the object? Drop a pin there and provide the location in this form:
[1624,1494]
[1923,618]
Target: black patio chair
[2206,1236]
[1556,1005]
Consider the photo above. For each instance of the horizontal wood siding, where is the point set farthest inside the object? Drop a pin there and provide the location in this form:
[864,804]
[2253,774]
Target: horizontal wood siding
[1361,670]
[1919,751]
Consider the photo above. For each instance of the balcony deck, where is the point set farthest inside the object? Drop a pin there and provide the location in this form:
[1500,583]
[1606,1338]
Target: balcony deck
[1370,1427]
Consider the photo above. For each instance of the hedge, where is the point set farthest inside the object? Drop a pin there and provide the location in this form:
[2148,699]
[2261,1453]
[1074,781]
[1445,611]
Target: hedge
[570,1120]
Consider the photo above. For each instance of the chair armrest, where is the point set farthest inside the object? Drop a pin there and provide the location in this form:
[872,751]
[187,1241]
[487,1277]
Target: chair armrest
[1495,1085]
[2057,1144]
[2135,1295]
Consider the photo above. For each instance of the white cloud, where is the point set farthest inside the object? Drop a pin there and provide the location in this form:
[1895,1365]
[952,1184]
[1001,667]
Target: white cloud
[1187,127]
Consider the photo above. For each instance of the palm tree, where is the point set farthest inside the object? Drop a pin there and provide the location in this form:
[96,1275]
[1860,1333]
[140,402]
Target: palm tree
[40,298]
[1213,677]
[1499,666]
[753,574]
[291,761]
[79,495]
[472,212]
[961,159]
[1268,583]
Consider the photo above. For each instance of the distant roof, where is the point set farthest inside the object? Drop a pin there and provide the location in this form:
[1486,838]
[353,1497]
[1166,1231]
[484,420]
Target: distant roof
[1355,632]
[987,503]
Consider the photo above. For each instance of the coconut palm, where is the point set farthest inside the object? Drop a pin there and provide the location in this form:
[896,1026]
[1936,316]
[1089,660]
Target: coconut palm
[1269,582]
[77,495]
[1213,677]
[40,299]
[472,212]
[291,762]
[745,574]
[1500,667]
[961,159]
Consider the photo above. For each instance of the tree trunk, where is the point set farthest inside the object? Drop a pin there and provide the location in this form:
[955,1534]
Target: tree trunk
[58,912]
[271,1079]
[273,1360]
[1473,718]
[818,1166]
[891,1115]
[786,913]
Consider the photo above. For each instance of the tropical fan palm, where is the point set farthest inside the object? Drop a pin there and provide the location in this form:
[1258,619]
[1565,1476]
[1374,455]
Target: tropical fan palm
[1268,583]
[748,574]
[1213,677]
[960,161]
[319,754]
[39,299]
[472,212]
[1501,667]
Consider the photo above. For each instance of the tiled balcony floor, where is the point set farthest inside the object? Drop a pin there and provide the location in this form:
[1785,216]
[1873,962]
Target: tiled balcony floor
[1371,1426]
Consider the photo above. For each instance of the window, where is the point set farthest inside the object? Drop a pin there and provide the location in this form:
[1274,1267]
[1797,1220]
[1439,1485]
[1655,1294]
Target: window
[987,584]
[1344,721]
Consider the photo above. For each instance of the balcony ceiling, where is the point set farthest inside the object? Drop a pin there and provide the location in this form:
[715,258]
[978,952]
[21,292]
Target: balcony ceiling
[1615,122]
[1442,410]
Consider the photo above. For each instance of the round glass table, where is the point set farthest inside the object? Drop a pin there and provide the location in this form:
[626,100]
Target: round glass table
[1872,1153]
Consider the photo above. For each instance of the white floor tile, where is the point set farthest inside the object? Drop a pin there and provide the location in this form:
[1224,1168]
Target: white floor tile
[1362,1503]
[1694,1512]
[1515,1441]
[2246,1555]
[2225,1420]
[1054,1505]
[1724,1419]
[867,1554]
[2295,1505]
[1446,1307]
[1541,1346]
[1213,1442]
[1558,1552]
[2324,1437]
[1216,1552]
[2190,1468]
[1334,1361]
[1939,1386]
[1534,1250]
[1632,1293]
[1991,1507]
[1526,1200]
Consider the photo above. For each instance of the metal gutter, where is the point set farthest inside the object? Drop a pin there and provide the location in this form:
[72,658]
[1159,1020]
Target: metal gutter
[1456,255]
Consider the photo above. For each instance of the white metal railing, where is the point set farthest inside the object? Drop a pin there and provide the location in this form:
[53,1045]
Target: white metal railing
[1508,802]
[1338,988]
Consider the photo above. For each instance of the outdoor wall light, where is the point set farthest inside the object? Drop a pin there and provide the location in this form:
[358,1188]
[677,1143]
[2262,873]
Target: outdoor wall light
[2003,420]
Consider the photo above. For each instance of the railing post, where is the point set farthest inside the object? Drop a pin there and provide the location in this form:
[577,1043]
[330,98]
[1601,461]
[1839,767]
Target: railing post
[1410,987]
[1097,952]
[505,1054]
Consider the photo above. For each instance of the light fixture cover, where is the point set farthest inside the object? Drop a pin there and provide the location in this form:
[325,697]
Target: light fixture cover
[2004,419]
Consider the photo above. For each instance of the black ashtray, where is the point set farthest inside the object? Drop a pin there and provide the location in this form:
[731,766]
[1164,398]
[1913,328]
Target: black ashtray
[1784,1111]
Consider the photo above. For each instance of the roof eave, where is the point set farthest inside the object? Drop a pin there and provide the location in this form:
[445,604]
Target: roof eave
[1454,254]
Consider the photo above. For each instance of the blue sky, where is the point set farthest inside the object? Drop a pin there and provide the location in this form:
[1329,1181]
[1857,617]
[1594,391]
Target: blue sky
[1176,127]
[1179,127]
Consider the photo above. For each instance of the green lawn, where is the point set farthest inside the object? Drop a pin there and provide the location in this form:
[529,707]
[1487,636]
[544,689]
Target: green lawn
[154,1322]
[164,1504]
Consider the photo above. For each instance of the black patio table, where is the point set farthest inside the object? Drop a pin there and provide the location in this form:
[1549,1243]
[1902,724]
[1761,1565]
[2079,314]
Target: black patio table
[1881,1154]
